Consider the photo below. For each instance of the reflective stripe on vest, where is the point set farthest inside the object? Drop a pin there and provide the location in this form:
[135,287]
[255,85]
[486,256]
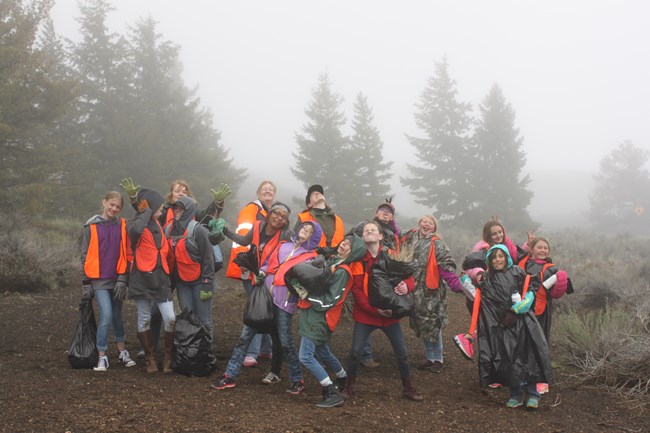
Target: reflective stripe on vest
[91,266]
[247,217]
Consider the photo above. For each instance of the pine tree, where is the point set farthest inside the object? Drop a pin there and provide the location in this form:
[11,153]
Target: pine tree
[498,175]
[441,180]
[367,177]
[321,145]
[621,198]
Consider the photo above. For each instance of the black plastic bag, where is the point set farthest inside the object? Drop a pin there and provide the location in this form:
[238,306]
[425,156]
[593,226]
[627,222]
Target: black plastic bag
[248,259]
[83,348]
[314,276]
[386,274]
[193,346]
[475,259]
[258,311]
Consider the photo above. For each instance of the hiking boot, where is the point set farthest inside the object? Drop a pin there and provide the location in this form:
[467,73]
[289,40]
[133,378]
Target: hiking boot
[340,383]
[349,387]
[250,361]
[370,363]
[223,382]
[409,390]
[296,387]
[331,397]
[125,359]
[532,403]
[514,402]
[464,344]
[542,388]
[437,367]
[102,364]
[271,378]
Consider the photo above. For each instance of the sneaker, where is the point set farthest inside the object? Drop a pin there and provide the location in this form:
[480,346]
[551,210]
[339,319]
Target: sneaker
[532,403]
[340,383]
[296,387]
[271,378]
[514,402]
[124,357]
[542,388]
[494,385]
[331,397]
[102,364]
[370,363]
[425,365]
[250,361]
[464,344]
[223,382]
[437,367]
[140,354]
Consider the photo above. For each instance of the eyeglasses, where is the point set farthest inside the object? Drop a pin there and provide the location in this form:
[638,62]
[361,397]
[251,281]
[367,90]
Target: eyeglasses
[280,216]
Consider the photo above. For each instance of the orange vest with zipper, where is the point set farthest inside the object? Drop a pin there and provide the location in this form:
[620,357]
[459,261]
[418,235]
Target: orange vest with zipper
[147,252]
[188,269]
[91,266]
[541,296]
[339,230]
[270,246]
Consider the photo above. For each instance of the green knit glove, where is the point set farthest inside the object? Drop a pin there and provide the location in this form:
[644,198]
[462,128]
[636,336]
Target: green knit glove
[216,226]
[130,188]
[221,193]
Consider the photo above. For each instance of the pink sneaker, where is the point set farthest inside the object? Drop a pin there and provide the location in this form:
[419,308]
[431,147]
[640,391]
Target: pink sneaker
[249,361]
[542,388]
[464,344]
[494,385]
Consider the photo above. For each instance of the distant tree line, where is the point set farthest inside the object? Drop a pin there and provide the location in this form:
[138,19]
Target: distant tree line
[76,117]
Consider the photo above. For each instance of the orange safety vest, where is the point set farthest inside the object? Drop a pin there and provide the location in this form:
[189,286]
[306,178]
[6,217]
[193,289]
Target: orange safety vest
[91,266]
[147,252]
[188,269]
[279,270]
[339,230]
[333,315]
[270,246]
[541,297]
[247,217]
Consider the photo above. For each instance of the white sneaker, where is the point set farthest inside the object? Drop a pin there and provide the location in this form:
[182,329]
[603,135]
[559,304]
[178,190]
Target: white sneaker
[250,361]
[102,364]
[271,378]
[125,358]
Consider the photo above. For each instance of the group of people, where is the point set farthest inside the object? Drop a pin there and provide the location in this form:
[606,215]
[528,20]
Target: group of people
[170,245]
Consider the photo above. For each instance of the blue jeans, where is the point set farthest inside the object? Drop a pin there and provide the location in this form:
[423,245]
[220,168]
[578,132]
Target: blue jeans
[433,350]
[110,312]
[517,392]
[239,352]
[393,332]
[261,343]
[283,344]
[145,307]
[189,297]
[308,352]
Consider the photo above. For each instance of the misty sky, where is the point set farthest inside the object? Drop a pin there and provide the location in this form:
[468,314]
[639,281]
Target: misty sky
[575,72]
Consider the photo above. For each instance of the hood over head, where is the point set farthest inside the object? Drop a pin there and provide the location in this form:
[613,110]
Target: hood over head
[502,248]
[314,240]
[189,212]
[358,249]
[152,197]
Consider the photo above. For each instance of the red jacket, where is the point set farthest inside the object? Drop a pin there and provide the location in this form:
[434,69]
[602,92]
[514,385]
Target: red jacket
[363,312]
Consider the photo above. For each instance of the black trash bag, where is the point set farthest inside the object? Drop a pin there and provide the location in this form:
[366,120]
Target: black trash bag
[83,348]
[475,259]
[258,311]
[314,276]
[248,259]
[193,346]
[386,274]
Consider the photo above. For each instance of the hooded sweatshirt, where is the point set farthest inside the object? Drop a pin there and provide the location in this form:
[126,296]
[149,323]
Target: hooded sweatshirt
[109,234]
[199,249]
[288,250]
[313,322]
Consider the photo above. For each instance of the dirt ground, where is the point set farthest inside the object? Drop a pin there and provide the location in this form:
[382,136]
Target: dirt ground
[39,392]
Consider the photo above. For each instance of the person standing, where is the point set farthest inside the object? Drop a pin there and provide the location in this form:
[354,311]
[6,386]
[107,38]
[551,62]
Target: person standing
[104,257]
[318,211]
[257,210]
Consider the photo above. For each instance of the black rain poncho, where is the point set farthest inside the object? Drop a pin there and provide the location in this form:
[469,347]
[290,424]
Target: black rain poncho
[512,347]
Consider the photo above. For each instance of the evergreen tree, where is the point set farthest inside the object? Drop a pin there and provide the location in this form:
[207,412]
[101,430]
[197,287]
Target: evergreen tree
[497,178]
[621,198]
[321,146]
[441,180]
[32,97]
[366,178]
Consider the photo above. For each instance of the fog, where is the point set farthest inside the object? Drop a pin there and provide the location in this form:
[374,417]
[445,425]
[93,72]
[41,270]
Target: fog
[576,74]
